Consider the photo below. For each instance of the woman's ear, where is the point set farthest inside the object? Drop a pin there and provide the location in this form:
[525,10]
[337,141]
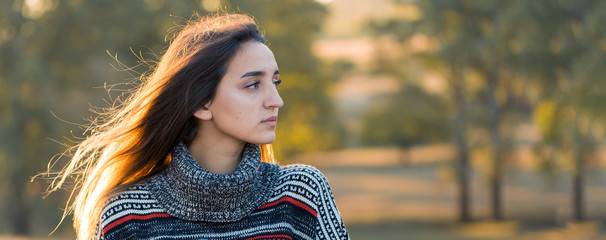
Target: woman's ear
[204,112]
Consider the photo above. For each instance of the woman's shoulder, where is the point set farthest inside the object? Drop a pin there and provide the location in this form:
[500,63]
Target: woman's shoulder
[297,170]
[135,201]
[304,176]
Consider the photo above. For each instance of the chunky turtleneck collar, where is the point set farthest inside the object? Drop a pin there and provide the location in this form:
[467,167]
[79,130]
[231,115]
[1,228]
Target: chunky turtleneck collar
[190,192]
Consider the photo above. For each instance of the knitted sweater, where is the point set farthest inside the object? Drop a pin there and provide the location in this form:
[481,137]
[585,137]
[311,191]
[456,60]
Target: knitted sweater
[256,201]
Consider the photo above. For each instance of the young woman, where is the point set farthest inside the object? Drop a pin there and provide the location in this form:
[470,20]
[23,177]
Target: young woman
[188,154]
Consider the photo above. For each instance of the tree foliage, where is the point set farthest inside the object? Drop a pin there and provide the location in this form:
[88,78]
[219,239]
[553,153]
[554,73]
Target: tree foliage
[409,117]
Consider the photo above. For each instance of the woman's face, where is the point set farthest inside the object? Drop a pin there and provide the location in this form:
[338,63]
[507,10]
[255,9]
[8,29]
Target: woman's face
[245,106]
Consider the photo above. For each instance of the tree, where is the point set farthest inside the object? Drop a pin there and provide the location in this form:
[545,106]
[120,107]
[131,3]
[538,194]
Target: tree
[447,23]
[565,37]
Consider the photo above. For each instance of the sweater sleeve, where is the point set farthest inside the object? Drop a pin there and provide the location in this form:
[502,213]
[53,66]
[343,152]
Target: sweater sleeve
[330,224]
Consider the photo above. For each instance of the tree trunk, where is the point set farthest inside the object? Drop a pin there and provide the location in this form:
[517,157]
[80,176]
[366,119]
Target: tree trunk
[495,138]
[19,216]
[18,210]
[460,140]
[577,185]
[577,193]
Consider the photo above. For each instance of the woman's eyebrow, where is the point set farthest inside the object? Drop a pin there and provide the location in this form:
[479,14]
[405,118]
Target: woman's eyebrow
[257,73]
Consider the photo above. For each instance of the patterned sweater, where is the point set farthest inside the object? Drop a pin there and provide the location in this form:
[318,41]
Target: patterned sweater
[256,201]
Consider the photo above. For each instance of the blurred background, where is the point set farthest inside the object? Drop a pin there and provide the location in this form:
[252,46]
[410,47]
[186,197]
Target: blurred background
[433,119]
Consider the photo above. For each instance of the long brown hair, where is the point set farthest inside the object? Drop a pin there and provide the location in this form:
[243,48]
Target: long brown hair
[132,140]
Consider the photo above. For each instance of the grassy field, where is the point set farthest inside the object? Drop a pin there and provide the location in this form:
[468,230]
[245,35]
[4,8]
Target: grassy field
[383,198]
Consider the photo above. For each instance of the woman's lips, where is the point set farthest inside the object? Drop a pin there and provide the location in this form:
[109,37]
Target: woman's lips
[270,121]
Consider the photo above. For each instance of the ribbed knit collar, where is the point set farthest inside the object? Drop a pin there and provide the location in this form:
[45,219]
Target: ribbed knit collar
[190,192]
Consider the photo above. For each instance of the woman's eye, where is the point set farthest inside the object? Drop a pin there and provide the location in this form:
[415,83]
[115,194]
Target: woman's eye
[254,85]
[277,82]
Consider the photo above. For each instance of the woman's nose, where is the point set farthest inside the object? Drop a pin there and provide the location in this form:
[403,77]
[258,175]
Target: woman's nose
[273,99]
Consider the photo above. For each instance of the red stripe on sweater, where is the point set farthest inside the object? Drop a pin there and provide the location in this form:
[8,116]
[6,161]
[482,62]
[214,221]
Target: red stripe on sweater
[131,217]
[293,201]
[272,237]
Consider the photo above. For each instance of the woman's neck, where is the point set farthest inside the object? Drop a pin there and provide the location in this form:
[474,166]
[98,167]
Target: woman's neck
[220,157]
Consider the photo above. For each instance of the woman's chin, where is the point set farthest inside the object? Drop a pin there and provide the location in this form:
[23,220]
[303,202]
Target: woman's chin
[265,140]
